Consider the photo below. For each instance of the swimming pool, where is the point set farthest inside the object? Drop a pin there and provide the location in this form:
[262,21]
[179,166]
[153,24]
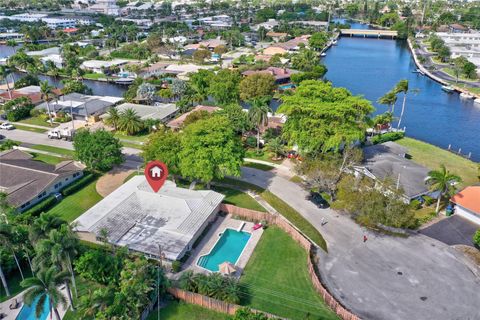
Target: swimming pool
[228,248]
[28,312]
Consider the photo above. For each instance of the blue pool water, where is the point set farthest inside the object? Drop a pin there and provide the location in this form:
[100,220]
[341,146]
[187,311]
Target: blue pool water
[228,248]
[28,312]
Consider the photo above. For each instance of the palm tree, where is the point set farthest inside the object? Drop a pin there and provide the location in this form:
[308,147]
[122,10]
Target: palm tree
[41,227]
[59,248]
[7,241]
[276,146]
[130,122]
[258,114]
[4,73]
[113,118]
[47,93]
[45,285]
[442,181]
[12,43]
[402,86]
[389,99]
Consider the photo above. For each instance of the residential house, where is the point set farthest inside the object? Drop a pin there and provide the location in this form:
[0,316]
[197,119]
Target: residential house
[467,203]
[102,66]
[31,92]
[163,112]
[281,75]
[178,122]
[277,36]
[27,182]
[268,25]
[142,220]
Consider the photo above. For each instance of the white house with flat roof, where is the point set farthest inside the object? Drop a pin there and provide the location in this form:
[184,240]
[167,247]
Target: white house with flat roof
[136,217]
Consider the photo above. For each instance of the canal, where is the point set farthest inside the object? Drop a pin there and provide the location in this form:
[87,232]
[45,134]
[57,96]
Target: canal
[371,67]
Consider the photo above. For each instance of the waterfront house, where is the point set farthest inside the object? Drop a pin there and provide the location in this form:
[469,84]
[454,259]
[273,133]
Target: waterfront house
[31,92]
[163,112]
[27,182]
[102,66]
[142,220]
[177,123]
[388,161]
[281,75]
[467,203]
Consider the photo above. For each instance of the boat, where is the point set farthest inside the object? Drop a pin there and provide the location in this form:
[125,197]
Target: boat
[323,54]
[477,101]
[334,42]
[465,95]
[124,81]
[448,89]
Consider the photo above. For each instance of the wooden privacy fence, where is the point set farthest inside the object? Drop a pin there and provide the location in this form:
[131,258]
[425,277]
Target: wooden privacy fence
[210,303]
[296,235]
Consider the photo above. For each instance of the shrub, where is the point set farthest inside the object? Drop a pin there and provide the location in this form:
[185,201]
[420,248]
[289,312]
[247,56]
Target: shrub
[213,285]
[415,204]
[476,238]
[77,185]
[176,266]
[251,142]
[43,206]
[390,136]
[428,200]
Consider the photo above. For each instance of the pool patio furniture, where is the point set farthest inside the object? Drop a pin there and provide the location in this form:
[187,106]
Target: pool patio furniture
[2,315]
[226,268]
[14,305]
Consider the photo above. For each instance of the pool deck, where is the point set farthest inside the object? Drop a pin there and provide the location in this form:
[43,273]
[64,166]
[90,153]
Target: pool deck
[12,314]
[211,238]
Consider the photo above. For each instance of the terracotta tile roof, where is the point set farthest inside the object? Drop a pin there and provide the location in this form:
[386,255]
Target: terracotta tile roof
[468,198]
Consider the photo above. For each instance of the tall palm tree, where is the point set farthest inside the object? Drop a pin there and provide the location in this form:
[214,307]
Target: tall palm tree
[45,285]
[113,118]
[130,122]
[4,73]
[59,248]
[402,86]
[258,114]
[443,182]
[7,241]
[389,99]
[47,93]
[41,227]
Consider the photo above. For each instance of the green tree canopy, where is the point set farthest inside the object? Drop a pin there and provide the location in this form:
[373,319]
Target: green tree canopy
[257,85]
[318,40]
[322,117]
[224,86]
[210,149]
[98,150]
[164,146]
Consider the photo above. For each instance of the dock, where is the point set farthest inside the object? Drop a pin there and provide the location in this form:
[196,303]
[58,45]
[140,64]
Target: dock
[369,33]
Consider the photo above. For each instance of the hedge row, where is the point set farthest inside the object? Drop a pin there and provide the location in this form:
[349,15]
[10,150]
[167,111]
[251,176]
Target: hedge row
[79,184]
[43,206]
[389,136]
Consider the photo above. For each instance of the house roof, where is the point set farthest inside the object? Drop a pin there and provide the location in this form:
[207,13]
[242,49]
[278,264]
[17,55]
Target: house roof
[178,122]
[159,112]
[81,104]
[276,34]
[141,219]
[32,92]
[468,198]
[23,178]
[278,73]
[386,161]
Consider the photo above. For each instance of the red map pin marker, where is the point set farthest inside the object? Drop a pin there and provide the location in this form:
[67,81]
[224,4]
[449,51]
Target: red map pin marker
[156,173]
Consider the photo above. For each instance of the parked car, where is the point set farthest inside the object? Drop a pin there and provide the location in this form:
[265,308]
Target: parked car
[7,126]
[2,137]
[318,200]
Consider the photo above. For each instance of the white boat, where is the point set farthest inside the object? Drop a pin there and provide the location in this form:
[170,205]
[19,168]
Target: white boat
[477,101]
[323,54]
[124,81]
[448,89]
[334,42]
[465,95]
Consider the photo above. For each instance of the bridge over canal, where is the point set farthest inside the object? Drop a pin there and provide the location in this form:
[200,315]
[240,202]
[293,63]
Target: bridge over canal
[369,33]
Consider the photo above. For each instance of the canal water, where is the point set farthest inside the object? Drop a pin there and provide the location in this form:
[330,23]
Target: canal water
[371,67]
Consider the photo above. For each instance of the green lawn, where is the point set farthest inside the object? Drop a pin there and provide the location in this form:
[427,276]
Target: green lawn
[259,166]
[74,205]
[263,155]
[38,121]
[42,147]
[432,157]
[131,145]
[94,76]
[134,138]
[31,129]
[276,280]
[239,199]
[46,158]
[450,72]
[283,208]
[471,89]
[184,311]
[13,280]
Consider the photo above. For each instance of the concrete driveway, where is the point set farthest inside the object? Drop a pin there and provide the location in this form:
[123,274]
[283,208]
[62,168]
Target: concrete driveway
[386,277]
[452,230]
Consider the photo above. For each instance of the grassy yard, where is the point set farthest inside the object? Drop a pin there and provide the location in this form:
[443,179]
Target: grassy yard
[462,77]
[134,138]
[183,311]
[131,145]
[46,158]
[31,129]
[259,166]
[64,152]
[239,199]
[94,76]
[38,121]
[263,155]
[276,280]
[283,208]
[432,157]
[471,89]
[74,205]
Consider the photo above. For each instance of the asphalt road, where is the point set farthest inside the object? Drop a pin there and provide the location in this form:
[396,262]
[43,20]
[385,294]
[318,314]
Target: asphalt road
[386,277]
[132,158]
[453,230]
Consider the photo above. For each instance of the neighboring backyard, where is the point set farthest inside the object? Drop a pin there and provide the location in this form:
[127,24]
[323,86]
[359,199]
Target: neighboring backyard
[276,280]
[432,157]
[239,198]
[183,311]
